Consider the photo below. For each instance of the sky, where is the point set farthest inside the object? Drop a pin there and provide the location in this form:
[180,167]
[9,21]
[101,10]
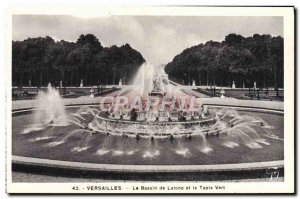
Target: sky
[158,38]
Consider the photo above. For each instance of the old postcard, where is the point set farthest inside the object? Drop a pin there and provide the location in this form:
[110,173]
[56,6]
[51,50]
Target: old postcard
[155,100]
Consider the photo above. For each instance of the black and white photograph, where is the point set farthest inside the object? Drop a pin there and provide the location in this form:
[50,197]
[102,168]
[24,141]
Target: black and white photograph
[152,100]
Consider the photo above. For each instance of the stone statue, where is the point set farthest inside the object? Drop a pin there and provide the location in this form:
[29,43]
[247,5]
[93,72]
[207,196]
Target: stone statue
[157,89]
[156,84]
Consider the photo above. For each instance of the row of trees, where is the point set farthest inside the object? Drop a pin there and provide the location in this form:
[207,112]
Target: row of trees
[241,59]
[42,60]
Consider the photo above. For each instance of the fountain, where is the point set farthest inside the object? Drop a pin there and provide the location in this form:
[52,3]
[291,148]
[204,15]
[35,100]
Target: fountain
[148,134]
[194,83]
[152,121]
[50,111]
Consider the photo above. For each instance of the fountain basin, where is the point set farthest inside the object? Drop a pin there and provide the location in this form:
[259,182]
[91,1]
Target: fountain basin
[111,149]
[81,166]
[145,129]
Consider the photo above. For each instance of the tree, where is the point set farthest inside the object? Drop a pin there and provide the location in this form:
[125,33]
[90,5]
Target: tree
[59,56]
[34,57]
[18,68]
[43,60]
[257,58]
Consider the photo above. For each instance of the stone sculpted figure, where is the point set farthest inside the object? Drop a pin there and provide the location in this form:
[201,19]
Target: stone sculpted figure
[156,84]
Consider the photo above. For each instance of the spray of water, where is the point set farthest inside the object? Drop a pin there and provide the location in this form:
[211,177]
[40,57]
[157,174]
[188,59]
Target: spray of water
[50,108]
[50,111]
[68,135]
[241,129]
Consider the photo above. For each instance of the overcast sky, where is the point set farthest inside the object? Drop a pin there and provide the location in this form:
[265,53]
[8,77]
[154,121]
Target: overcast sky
[159,39]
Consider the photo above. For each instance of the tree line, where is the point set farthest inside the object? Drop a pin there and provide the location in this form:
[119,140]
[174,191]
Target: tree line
[245,60]
[42,60]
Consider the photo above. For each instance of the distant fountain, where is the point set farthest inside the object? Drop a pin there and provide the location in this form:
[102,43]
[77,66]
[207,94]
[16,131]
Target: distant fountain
[233,85]
[194,83]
